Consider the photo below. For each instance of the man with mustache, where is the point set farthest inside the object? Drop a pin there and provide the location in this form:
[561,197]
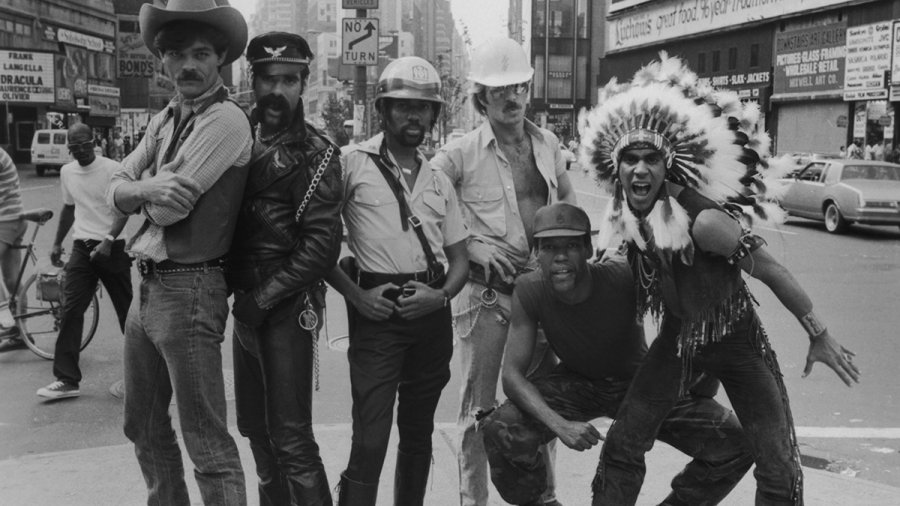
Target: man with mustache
[186,179]
[288,235]
[403,225]
[587,312]
[503,172]
[97,255]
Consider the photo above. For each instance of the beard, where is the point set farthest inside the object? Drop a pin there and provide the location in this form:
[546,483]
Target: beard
[276,104]
[404,138]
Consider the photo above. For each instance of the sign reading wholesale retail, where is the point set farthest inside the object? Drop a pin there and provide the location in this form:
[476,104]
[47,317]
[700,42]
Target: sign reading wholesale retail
[868,57]
[810,60]
[26,77]
[661,20]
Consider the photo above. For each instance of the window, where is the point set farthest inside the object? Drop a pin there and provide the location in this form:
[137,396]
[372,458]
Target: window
[813,172]
[701,63]
[716,63]
[732,58]
[754,55]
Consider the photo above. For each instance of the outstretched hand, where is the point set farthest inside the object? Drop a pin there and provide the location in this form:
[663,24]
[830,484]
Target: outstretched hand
[824,348]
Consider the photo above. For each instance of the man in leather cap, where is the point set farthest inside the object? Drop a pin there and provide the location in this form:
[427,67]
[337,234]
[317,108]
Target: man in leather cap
[288,234]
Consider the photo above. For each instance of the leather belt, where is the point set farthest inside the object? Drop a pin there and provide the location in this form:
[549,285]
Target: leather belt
[149,267]
[372,279]
[476,274]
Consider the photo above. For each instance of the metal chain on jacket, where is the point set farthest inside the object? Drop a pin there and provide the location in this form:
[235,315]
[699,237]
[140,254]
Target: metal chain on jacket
[314,183]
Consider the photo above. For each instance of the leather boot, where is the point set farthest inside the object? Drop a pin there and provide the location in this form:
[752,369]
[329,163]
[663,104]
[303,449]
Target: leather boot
[411,479]
[354,493]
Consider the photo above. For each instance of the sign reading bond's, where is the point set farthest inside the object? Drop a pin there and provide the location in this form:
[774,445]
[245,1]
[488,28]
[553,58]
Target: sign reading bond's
[26,77]
[359,41]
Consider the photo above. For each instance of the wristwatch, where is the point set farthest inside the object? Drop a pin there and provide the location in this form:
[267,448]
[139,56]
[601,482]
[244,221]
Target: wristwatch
[446,297]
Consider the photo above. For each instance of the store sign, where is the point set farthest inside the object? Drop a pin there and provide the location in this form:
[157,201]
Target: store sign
[658,21]
[810,60]
[26,77]
[103,106]
[749,79]
[868,58]
[106,91]
[135,60]
[895,55]
[71,37]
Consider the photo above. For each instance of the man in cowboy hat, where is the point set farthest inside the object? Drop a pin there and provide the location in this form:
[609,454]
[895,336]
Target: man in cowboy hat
[186,179]
[290,235]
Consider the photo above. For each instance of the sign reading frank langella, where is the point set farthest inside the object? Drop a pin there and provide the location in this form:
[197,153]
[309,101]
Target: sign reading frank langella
[26,76]
[810,60]
[661,20]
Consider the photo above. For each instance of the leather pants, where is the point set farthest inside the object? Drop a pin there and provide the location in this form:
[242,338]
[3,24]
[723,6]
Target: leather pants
[273,366]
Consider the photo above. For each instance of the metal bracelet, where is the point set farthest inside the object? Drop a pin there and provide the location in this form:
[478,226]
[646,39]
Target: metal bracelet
[812,325]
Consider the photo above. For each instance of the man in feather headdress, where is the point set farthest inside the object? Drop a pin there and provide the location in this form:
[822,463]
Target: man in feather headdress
[682,162]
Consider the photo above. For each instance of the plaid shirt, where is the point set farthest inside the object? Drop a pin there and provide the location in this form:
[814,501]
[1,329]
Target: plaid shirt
[221,138]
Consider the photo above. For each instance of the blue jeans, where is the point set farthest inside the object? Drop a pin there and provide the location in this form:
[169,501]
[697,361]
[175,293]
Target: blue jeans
[746,365]
[81,278]
[481,337]
[173,339]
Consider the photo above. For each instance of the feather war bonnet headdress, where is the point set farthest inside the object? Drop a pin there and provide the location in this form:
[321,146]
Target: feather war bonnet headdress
[710,141]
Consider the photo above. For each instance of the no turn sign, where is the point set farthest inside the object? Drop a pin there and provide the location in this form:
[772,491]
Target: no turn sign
[359,41]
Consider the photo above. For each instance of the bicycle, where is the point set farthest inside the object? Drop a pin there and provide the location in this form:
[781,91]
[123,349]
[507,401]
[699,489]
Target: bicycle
[37,304]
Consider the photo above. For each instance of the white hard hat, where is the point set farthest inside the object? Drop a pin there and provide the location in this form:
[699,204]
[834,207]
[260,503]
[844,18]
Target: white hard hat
[500,62]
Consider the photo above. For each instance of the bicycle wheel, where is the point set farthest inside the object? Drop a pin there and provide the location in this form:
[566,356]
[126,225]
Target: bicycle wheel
[39,320]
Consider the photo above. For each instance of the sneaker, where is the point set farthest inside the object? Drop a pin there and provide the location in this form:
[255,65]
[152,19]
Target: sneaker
[12,343]
[59,390]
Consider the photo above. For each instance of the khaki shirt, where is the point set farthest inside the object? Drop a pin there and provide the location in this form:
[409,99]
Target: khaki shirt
[372,214]
[483,179]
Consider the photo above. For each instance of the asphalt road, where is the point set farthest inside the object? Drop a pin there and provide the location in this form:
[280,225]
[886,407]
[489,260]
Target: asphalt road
[853,280]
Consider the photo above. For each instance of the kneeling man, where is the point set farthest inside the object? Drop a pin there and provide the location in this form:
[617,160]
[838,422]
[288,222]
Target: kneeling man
[587,311]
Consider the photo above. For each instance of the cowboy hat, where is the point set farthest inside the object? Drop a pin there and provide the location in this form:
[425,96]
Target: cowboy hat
[224,18]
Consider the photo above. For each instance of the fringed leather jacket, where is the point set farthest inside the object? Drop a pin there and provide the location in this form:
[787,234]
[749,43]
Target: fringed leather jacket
[278,252]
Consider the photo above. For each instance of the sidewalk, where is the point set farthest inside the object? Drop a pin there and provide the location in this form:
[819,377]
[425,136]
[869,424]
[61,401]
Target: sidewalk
[110,476]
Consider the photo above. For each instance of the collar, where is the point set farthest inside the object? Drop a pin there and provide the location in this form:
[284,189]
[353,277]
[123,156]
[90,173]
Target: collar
[486,132]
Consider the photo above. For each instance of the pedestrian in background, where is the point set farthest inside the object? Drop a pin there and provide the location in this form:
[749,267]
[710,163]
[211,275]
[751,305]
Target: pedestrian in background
[12,229]
[503,172]
[97,255]
[186,179]
[405,228]
[676,206]
[288,237]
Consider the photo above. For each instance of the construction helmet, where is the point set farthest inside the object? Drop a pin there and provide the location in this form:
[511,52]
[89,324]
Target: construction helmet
[500,62]
[411,78]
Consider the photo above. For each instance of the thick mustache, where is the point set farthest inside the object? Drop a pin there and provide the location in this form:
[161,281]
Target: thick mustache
[274,102]
[189,76]
[511,106]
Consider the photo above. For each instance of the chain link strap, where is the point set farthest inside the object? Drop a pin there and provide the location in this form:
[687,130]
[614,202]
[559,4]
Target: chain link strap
[314,183]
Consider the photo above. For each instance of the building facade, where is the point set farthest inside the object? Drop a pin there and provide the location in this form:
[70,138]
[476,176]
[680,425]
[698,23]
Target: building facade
[822,71]
[57,66]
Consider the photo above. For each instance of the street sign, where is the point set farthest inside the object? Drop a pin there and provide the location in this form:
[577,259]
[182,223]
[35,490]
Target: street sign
[359,4]
[359,41]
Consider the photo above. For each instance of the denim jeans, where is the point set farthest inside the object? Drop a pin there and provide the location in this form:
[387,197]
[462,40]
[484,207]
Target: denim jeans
[81,278]
[698,426]
[273,372]
[746,365]
[481,339]
[173,339]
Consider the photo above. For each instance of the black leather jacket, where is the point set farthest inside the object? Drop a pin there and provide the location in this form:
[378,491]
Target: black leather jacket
[272,255]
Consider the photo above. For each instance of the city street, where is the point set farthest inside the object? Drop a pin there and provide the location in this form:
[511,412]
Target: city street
[853,280]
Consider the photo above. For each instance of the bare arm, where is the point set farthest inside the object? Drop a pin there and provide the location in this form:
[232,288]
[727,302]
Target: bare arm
[717,232]
[517,356]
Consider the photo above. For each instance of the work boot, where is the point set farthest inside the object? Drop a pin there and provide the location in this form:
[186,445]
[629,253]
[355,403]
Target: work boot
[354,493]
[411,479]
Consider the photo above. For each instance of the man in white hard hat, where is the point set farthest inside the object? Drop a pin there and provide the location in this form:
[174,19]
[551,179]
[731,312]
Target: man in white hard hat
[503,172]
[406,230]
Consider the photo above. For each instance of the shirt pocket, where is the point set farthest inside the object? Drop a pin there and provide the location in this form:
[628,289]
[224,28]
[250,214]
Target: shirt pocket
[485,205]
[436,204]
[378,212]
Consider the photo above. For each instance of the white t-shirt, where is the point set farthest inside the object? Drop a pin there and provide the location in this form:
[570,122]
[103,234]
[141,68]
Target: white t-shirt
[85,188]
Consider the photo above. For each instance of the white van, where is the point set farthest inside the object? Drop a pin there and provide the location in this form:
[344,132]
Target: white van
[49,150]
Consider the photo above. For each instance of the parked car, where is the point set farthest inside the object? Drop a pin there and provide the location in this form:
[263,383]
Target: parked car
[49,150]
[842,192]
